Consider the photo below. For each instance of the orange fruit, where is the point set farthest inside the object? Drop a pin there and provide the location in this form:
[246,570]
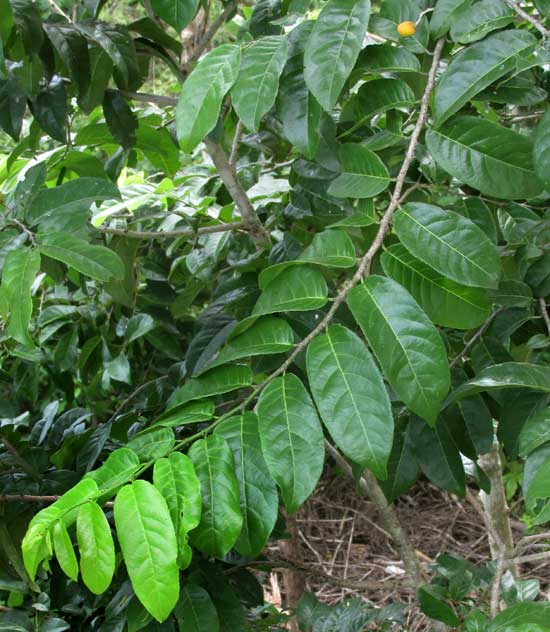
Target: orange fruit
[406,29]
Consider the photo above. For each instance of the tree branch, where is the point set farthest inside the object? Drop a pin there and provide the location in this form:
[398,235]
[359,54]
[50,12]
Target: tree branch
[475,338]
[166,234]
[544,312]
[209,35]
[540,28]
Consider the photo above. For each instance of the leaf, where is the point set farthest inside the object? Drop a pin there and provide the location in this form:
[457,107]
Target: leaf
[535,432]
[255,91]
[97,262]
[405,342]
[176,13]
[447,303]
[503,376]
[379,58]
[438,456]
[402,465]
[259,499]
[391,14]
[476,21]
[351,397]
[119,468]
[333,47]
[214,382]
[198,612]
[64,551]
[541,148]
[363,175]
[492,159]
[520,617]
[332,248]
[268,335]
[298,109]
[445,13]
[72,48]
[450,243]
[193,413]
[50,109]
[35,546]
[152,444]
[202,94]
[294,289]
[97,550]
[221,519]
[476,68]
[120,119]
[475,209]
[20,269]
[148,543]
[12,107]
[177,481]
[291,438]
[433,606]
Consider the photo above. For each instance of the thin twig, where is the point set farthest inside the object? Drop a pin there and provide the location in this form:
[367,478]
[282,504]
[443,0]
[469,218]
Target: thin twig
[475,338]
[133,395]
[144,97]
[532,20]
[210,33]
[236,140]
[544,312]
[167,234]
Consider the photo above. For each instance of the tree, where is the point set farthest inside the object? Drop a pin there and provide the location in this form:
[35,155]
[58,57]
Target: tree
[303,237]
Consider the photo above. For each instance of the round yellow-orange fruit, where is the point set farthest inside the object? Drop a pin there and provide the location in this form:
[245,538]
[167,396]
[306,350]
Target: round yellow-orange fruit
[406,29]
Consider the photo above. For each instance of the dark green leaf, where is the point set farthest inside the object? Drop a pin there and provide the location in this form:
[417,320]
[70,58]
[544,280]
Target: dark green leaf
[197,610]
[541,148]
[445,13]
[476,21]
[176,13]
[120,119]
[152,444]
[363,175]
[432,605]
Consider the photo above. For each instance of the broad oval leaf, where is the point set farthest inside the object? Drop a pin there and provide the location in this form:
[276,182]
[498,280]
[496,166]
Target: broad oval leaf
[254,93]
[64,551]
[541,148]
[446,302]
[494,160]
[521,617]
[333,47]
[378,58]
[506,375]
[148,543]
[535,432]
[406,343]
[193,413]
[391,14]
[444,14]
[332,248]
[202,94]
[176,13]
[363,175]
[476,68]
[152,443]
[36,544]
[96,546]
[119,468]
[450,243]
[221,520]
[177,481]
[259,498]
[476,21]
[97,262]
[351,397]
[291,438]
[197,610]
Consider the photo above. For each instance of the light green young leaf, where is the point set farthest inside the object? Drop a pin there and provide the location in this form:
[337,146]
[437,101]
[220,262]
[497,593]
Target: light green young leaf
[450,243]
[37,545]
[291,438]
[255,91]
[492,159]
[221,520]
[363,175]
[149,547]
[406,343]
[20,269]
[96,546]
[447,303]
[333,47]
[97,262]
[477,67]
[152,444]
[119,468]
[64,551]
[259,499]
[202,94]
[351,397]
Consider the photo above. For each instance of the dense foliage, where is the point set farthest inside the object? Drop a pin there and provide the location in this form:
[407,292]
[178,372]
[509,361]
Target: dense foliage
[235,236]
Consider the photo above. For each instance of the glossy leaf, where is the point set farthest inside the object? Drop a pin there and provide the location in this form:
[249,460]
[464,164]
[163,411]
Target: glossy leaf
[476,68]
[152,444]
[446,302]
[363,175]
[444,14]
[521,616]
[433,606]
[36,545]
[176,13]
[148,543]
[378,58]
[407,345]
[177,481]
[503,376]
[291,438]
[394,12]
[258,494]
[333,47]
[402,465]
[202,94]
[20,269]
[193,413]
[97,262]
[351,397]
[541,148]
[118,469]
[450,243]
[97,550]
[198,612]
[332,248]
[478,20]
[492,159]
[221,520]
[255,91]
[64,551]
[535,432]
